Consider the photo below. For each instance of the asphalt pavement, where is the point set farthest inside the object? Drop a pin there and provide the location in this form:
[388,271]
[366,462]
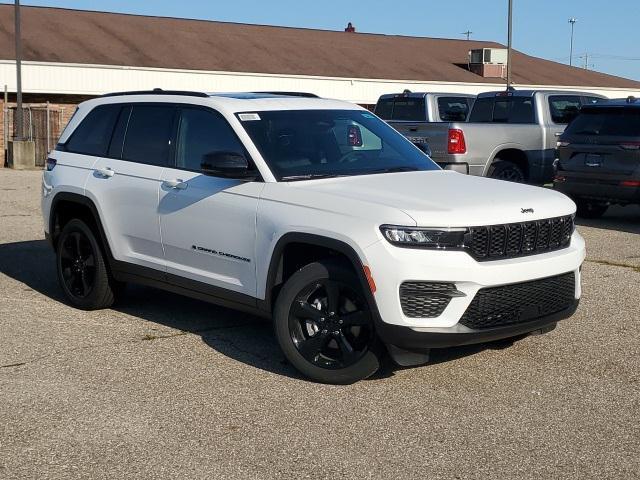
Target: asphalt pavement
[163,386]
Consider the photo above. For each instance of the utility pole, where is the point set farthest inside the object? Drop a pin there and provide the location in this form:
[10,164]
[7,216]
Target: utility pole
[467,33]
[509,34]
[18,117]
[572,21]
[586,61]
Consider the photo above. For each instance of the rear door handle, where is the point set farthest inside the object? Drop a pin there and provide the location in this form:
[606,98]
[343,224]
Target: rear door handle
[176,184]
[105,172]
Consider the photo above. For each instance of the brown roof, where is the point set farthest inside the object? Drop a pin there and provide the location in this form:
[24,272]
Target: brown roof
[76,36]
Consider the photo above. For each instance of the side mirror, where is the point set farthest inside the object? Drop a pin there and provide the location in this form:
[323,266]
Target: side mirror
[226,164]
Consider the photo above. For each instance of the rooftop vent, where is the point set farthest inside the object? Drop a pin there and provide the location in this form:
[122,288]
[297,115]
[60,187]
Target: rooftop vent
[350,28]
[488,62]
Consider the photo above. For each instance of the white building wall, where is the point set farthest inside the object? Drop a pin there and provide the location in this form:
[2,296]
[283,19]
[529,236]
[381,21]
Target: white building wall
[62,78]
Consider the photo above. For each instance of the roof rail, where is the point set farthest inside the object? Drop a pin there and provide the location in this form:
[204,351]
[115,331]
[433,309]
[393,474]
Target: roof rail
[291,94]
[158,91]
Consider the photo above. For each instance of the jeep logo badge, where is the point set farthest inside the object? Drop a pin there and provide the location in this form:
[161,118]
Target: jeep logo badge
[526,210]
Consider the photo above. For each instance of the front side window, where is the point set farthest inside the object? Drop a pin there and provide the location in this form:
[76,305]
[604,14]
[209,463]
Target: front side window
[315,143]
[203,134]
[564,108]
[93,135]
[148,134]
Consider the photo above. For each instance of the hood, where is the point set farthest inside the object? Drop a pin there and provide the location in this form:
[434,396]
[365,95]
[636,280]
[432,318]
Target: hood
[446,199]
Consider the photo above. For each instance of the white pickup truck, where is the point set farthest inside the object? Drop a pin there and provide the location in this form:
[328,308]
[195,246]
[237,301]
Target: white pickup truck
[509,135]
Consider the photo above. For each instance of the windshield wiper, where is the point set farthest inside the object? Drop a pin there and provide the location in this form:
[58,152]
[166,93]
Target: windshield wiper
[395,170]
[309,176]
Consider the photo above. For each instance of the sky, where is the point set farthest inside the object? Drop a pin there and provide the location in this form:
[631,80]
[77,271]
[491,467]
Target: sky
[540,27]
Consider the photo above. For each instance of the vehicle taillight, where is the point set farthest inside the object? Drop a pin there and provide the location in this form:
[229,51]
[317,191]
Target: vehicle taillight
[354,136]
[630,145]
[456,143]
[51,163]
[630,183]
[559,179]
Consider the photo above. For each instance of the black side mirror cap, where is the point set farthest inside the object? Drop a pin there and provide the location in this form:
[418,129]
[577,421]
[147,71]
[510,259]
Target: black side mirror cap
[228,165]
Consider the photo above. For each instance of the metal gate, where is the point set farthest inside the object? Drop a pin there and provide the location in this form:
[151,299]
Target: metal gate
[41,124]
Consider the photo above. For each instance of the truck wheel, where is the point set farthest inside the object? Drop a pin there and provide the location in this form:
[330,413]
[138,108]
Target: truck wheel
[506,170]
[324,325]
[590,209]
[82,272]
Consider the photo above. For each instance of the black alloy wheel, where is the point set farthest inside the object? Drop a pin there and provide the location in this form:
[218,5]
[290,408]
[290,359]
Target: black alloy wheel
[330,325]
[508,171]
[324,324]
[82,271]
[78,264]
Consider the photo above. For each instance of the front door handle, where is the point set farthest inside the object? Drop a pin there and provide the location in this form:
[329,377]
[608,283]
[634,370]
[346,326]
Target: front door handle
[105,172]
[176,184]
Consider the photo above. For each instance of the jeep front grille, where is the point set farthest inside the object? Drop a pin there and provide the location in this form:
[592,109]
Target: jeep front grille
[519,239]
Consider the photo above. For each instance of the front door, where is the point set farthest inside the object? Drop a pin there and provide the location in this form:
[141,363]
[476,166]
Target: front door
[208,222]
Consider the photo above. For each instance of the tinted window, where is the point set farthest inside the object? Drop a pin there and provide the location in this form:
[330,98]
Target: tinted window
[482,110]
[410,109]
[202,135]
[564,108]
[453,109]
[384,108]
[93,135]
[117,140]
[149,132]
[593,100]
[617,123]
[521,110]
[331,142]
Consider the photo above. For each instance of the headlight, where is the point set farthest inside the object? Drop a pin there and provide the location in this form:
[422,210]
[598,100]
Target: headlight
[424,237]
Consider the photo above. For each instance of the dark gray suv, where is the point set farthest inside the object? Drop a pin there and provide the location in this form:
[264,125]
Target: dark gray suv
[599,157]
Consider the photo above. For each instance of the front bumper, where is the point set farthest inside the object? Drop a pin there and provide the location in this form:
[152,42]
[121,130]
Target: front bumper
[416,340]
[391,266]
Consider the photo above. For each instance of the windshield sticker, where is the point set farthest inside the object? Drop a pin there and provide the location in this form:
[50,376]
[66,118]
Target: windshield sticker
[249,117]
[367,115]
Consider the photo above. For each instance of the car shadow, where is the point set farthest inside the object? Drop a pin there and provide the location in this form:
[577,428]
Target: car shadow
[240,336]
[623,219]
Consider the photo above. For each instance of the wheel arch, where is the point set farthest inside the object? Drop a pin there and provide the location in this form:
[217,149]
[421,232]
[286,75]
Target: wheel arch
[277,272]
[511,153]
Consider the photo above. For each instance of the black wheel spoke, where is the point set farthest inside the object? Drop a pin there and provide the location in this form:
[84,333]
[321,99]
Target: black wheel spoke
[90,261]
[311,347]
[357,318]
[304,310]
[86,287]
[333,297]
[348,353]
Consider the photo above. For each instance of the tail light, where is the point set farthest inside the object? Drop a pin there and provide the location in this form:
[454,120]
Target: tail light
[630,145]
[354,136]
[455,142]
[51,164]
[630,183]
[559,179]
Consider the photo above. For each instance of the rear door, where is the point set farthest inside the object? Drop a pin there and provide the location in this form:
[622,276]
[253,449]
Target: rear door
[603,140]
[208,222]
[125,182]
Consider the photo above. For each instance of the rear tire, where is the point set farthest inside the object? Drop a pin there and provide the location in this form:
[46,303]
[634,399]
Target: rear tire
[506,170]
[590,209]
[324,326]
[82,272]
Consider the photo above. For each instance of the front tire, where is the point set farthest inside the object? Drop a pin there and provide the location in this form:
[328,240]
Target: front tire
[82,272]
[324,326]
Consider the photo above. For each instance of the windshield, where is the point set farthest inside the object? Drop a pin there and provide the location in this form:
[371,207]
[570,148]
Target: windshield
[301,144]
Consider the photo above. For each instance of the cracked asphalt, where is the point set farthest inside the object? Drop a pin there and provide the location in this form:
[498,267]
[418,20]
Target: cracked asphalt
[162,386]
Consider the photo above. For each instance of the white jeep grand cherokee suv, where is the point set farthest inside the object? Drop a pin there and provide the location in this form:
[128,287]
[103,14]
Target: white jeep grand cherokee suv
[312,212]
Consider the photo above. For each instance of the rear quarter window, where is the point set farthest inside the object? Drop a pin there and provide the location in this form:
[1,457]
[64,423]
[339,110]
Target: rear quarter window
[94,133]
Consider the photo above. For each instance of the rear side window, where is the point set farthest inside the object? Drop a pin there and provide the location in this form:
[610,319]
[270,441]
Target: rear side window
[503,110]
[402,108]
[93,135]
[149,133]
[204,134]
[564,108]
[453,109]
[609,122]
